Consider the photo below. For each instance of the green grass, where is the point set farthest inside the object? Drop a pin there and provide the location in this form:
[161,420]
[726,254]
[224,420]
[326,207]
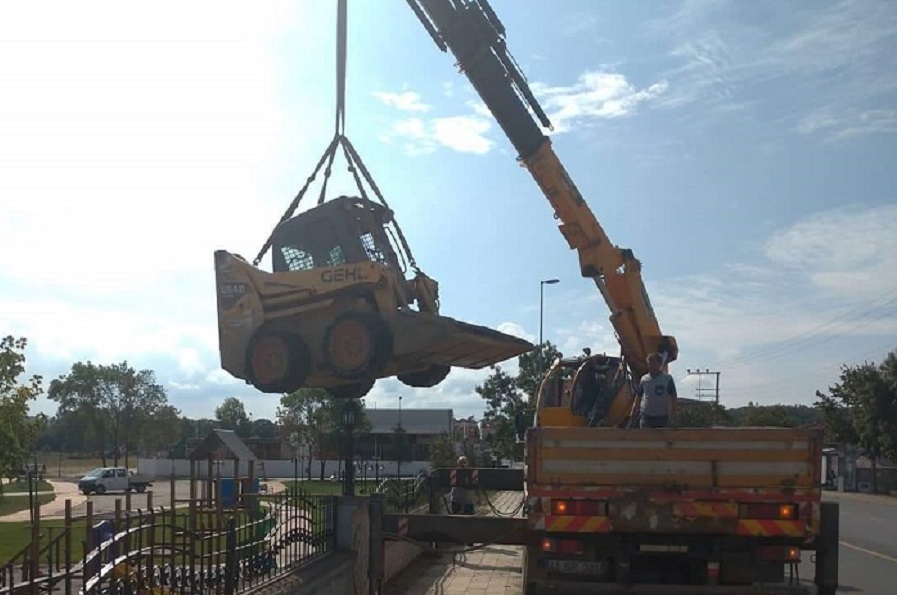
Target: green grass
[12,504]
[22,486]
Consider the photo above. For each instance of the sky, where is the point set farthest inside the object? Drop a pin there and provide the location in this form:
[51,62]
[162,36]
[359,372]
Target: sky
[744,151]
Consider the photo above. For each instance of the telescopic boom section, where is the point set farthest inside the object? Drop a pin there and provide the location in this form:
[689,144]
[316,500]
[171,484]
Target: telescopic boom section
[474,34]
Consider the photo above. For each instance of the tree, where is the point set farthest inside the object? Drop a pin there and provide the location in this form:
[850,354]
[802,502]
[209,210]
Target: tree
[166,429]
[861,410]
[442,453]
[532,366]
[118,400]
[17,430]
[701,415]
[264,429]
[231,415]
[307,412]
[508,397]
[766,415]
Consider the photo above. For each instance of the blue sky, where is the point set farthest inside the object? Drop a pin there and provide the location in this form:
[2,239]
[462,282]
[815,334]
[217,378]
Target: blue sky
[744,151]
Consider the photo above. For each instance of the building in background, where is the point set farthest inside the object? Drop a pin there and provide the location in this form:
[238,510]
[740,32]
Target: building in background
[408,437]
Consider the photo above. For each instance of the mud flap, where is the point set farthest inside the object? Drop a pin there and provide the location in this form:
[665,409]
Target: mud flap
[827,550]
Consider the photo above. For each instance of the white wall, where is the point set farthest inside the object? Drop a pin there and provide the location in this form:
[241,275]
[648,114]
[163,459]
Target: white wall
[277,469]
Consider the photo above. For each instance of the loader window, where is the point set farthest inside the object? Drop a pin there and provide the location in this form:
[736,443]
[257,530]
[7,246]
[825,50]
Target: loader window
[372,250]
[297,259]
[336,256]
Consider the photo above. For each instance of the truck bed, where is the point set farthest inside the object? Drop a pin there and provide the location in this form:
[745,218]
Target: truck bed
[676,480]
[701,458]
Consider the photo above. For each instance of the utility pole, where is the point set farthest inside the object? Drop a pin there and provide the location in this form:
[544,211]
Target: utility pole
[705,372]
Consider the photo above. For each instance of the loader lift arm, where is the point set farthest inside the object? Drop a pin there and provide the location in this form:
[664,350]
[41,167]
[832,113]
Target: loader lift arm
[476,37]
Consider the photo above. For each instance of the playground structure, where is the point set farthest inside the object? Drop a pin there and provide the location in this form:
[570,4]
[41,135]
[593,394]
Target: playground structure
[227,537]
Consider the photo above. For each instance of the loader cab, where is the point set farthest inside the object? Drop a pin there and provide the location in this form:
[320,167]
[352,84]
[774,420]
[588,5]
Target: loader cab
[582,391]
[343,230]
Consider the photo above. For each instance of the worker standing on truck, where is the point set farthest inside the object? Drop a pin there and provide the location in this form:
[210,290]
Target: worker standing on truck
[657,393]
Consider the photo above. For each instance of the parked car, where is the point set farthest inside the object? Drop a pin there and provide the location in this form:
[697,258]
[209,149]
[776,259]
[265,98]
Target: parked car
[112,479]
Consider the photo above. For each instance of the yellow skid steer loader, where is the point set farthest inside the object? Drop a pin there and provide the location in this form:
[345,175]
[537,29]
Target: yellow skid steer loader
[337,312]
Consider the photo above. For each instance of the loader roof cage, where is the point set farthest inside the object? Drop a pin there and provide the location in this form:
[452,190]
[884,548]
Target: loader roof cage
[343,230]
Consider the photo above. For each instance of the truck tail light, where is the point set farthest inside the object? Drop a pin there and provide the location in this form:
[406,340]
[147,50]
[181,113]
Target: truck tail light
[779,553]
[579,507]
[561,546]
[768,511]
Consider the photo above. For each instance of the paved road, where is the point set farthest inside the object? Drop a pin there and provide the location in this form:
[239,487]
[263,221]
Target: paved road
[868,558]
[161,496]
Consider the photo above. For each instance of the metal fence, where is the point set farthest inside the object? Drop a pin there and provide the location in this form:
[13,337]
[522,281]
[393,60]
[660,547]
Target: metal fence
[193,549]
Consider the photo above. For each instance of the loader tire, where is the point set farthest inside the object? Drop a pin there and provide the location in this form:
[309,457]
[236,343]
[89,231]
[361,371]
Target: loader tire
[277,362]
[358,345]
[426,379]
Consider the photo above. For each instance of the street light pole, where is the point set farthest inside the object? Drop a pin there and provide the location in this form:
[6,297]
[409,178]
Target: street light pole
[542,285]
[541,353]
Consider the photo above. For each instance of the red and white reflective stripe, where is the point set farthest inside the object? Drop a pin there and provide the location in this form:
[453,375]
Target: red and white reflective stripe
[403,525]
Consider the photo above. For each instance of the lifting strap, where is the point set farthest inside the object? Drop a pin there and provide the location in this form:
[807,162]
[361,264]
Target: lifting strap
[355,165]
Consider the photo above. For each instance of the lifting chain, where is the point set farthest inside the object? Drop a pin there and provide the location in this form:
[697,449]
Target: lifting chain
[355,165]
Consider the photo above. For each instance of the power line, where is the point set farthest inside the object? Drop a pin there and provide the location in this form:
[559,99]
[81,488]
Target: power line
[813,335]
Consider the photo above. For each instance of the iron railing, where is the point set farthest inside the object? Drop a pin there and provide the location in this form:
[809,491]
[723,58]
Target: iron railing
[190,549]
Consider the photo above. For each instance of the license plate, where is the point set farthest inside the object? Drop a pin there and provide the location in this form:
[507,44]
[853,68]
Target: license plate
[573,567]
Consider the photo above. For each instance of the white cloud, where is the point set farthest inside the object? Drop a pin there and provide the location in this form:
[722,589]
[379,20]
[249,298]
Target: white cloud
[852,251]
[594,95]
[184,386]
[823,294]
[514,329]
[828,64]
[406,101]
[465,134]
[219,376]
[840,126]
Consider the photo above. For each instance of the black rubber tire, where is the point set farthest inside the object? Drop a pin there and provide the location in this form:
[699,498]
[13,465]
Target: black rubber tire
[426,379]
[355,390]
[298,356]
[100,490]
[141,488]
[381,345]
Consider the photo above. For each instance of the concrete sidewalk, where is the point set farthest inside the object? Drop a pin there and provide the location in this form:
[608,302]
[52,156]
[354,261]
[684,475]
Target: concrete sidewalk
[53,509]
[491,570]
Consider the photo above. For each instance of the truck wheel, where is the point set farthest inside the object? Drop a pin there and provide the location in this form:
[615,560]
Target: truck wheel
[141,488]
[356,390]
[429,377]
[358,344]
[100,490]
[277,362]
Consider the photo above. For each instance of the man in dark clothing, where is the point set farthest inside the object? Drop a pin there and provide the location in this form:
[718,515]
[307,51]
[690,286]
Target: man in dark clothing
[657,393]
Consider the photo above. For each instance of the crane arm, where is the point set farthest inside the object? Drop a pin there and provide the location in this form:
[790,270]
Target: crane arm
[476,37]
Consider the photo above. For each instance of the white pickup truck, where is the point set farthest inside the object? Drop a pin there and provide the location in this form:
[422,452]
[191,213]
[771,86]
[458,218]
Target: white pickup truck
[112,479]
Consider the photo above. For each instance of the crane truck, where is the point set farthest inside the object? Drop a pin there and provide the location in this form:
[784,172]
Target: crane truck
[661,510]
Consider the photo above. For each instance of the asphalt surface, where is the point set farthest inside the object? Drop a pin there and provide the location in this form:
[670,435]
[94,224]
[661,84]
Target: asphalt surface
[868,552]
